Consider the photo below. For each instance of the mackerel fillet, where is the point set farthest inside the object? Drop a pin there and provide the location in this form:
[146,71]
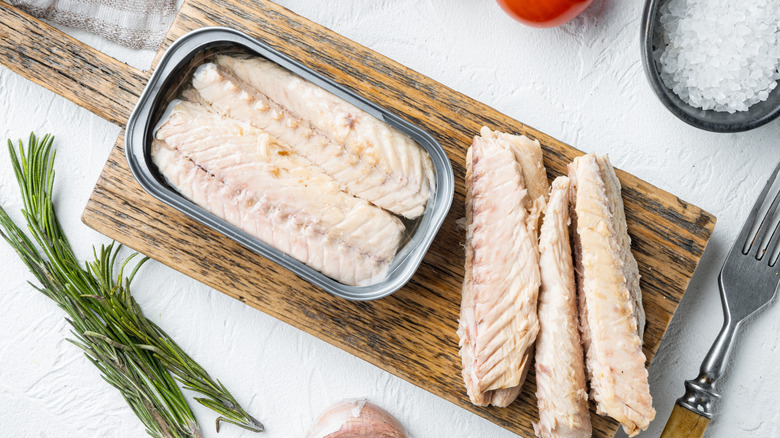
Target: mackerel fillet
[560,370]
[506,188]
[611,316]
[369,159]
[259,184]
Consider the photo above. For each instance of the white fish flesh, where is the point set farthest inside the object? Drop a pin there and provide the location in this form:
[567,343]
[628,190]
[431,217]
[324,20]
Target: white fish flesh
[260,185]
[623,241]
[370,159]
[356,419]
[609,314]
[498,323]
[560,370]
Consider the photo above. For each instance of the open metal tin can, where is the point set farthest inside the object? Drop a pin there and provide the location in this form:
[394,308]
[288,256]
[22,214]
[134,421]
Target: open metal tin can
[177,65]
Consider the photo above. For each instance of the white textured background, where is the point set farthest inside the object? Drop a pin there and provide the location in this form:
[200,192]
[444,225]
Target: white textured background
[581,83]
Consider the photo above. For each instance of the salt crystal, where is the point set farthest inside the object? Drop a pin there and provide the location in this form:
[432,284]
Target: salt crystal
[719,54]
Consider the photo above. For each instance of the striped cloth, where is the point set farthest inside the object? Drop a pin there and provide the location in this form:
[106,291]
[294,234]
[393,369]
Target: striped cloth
[138,24]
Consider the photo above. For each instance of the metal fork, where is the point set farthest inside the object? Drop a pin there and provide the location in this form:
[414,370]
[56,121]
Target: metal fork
[748,281]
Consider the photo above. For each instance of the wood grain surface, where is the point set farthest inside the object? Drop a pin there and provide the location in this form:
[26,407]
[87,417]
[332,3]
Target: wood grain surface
[411,333]
[68,67]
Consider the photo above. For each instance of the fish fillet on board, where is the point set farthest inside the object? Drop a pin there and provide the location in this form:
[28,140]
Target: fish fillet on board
[506,187]
[560,370]
[263,187]
[369,158]
[607,274]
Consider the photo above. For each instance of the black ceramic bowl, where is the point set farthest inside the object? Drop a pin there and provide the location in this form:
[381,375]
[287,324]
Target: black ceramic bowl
[716,121]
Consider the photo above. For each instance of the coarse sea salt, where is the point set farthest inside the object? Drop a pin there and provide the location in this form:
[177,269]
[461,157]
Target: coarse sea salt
[720,55]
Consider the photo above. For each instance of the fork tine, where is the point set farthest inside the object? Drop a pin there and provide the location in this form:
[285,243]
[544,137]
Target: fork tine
[745,233]
[764,228]
[772,246]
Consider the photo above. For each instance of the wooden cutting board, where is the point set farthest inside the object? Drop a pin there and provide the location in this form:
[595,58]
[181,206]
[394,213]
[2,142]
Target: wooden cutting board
[410,334]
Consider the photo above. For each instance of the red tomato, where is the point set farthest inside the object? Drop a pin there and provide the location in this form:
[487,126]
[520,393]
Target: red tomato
[543,13]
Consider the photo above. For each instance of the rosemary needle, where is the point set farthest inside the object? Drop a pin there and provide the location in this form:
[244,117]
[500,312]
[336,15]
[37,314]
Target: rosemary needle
[133,354]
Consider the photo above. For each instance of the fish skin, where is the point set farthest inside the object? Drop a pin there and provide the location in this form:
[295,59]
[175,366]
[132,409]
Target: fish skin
[498,324]
[261,186]
[371,160]
[356,419]
[614,359]
[560,370]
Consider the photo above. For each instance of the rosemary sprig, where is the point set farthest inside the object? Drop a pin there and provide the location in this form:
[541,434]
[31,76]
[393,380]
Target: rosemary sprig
[133,354]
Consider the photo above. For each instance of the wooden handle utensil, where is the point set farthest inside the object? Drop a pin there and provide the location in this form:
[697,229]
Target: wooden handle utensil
[684,423]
